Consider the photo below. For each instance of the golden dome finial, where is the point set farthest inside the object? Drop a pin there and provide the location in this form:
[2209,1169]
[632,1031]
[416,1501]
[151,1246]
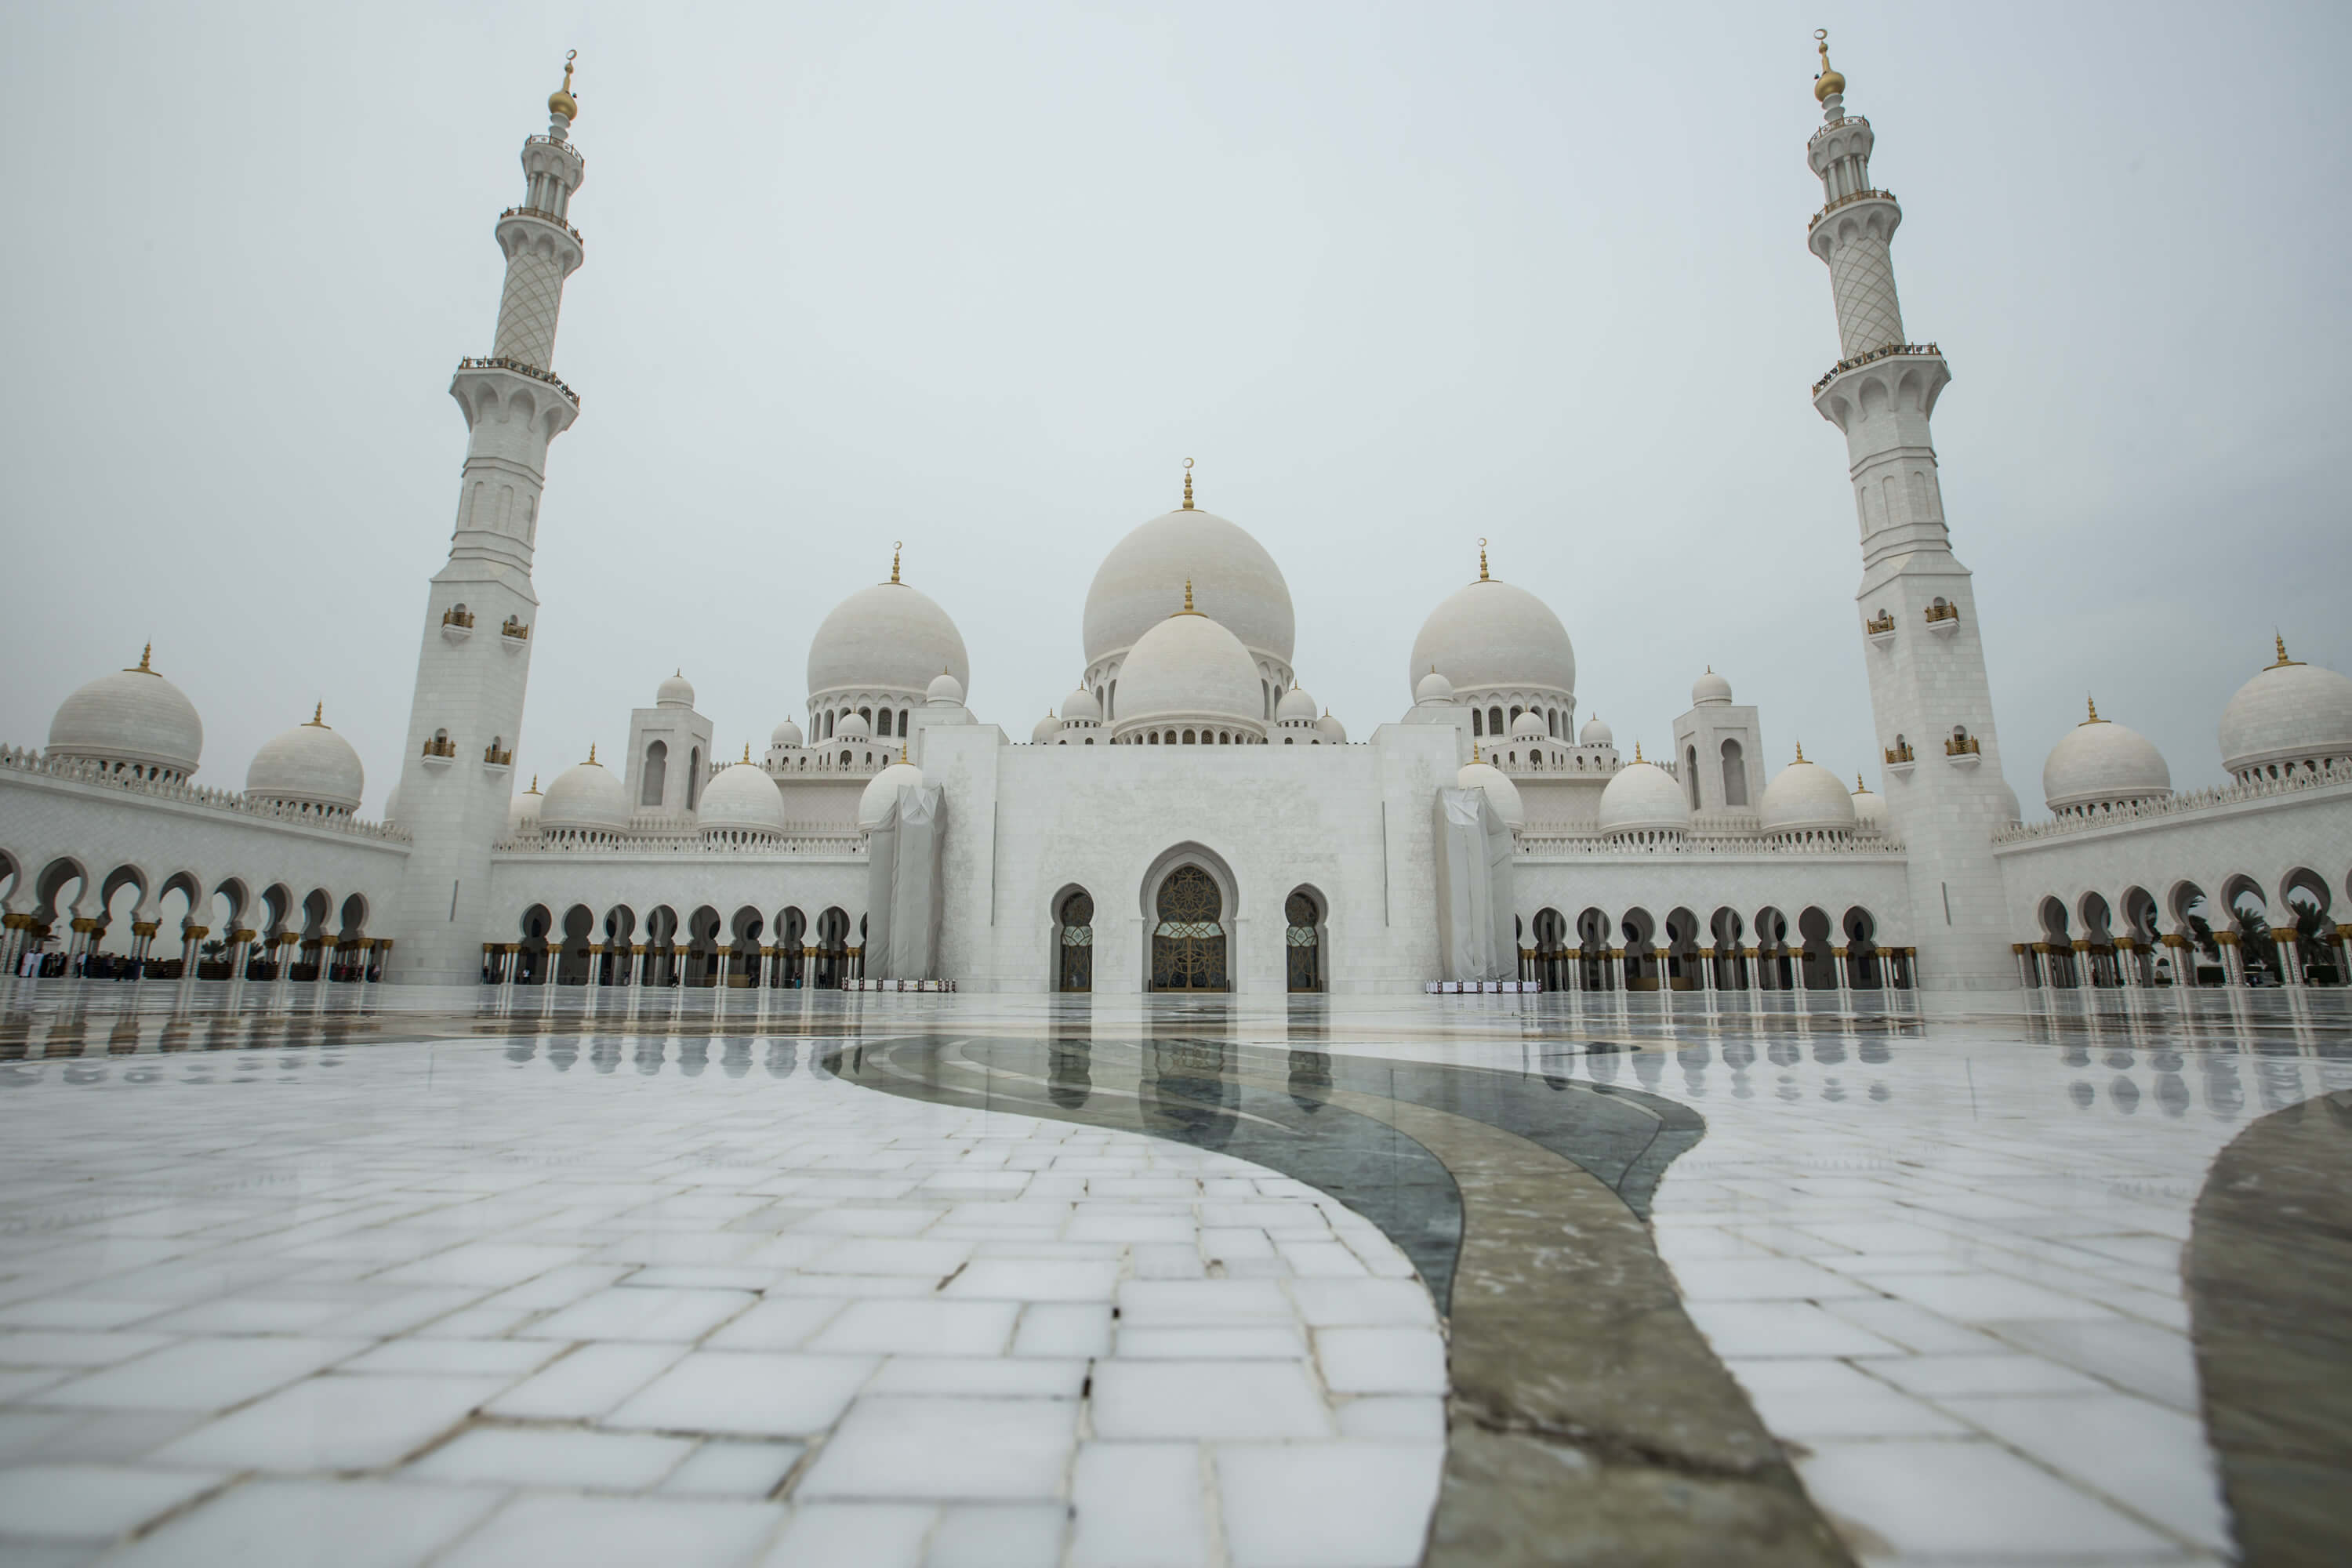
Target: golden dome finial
[318,715]
[1482,558]
[747,751]
[592,755]
[560,100]
[1188,598]
[1473,750]
[1827,80]
[902,751]
[1188,484]
[144,654]
[1800,751]
[896,546]
[2277,638]
[1637,750]
[534,786]
[2093,703]
[1860,788]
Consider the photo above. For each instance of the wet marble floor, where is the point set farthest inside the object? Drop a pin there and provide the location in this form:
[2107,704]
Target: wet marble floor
[375,1276]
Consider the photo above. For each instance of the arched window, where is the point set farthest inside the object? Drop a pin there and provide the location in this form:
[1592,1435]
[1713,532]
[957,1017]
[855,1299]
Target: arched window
[1735,775]
[1690,775]
[1494,720]
[1477,722]
[694,778]
[656,773]
[1074,923]
[866,714]
[1302,941]
[1516,711]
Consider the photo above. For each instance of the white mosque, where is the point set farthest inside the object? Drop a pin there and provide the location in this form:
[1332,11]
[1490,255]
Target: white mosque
[1189,818]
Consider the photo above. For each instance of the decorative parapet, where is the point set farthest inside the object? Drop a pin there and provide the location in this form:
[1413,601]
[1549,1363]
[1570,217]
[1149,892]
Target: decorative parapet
[1709,835]
[849,843]
[1900,753]
[86,771]
[1879,624]
[515,628]
[1962,746]
[1890,351]
[440,746]
[496,758]
[459,616]
[2338,778]
[543,217]
[1940,611]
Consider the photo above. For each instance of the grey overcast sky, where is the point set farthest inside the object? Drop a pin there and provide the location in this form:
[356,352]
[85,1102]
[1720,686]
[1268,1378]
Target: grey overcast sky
[980,277]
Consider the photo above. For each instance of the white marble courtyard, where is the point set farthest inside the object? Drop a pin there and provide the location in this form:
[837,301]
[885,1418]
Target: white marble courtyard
[656,1298]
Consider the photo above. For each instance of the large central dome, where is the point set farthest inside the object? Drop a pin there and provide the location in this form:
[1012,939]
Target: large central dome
[1493,635]
[1235,581]
[887,638]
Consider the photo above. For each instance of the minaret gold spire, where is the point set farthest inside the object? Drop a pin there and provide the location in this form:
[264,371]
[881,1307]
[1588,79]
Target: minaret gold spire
[896,546]
[1482,559]
[560,100]
[1188,484]
[1826,81]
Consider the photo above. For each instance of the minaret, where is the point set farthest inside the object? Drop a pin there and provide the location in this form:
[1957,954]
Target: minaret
[1917,614]
[480,613]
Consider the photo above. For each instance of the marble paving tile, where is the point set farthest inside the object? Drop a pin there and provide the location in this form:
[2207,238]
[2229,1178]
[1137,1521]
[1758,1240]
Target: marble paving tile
[975,1449]
[656,1532]
[314,1524]
[91,1502]
[334,1422]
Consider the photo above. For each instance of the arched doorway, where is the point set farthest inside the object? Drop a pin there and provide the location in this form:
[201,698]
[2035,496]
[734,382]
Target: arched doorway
[1302,937]
[1074,925]
[1188,940]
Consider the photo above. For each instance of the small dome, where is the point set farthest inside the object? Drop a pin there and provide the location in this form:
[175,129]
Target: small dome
[2010,814]
[887,638]
[1806,798]
[1335,733]
[1869,808]
[882,793]
[1433,688]
[1232,576]
[1295,704]
[1188,667]
[1493,634]
[1044,731]
[741,799]
[523,809]
[1501,793]
[855,727]
[1643,798]
[944,689]
[677,692]
[2291,713]
[133,716]
[1710,690]
[1529,726]
[307,766]
[586,797]
[391,802]
[1596,733]
[1080,706]
[787,733]
[2101,764]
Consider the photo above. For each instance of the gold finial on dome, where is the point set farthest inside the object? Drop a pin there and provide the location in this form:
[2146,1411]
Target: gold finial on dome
[1637,750]
[317,717]
[1188,598]
[592,755]
[560,100]
[1826,81]
[534,786]
[902,751]
[1800,751]
[896,546]
[1473,750]
[2278,637]
[1860,788]
[747,751]
[2093,703]
[140,668]
[1482,558]
[1188,484]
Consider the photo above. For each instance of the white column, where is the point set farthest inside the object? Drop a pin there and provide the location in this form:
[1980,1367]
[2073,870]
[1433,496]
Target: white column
[2290,956]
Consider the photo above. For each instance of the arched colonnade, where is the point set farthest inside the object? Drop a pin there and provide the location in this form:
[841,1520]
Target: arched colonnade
[1770,951]
[788,950]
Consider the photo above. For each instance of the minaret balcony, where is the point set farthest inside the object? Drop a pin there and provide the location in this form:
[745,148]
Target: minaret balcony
[439,750]
[1880,629]
[495,760]
[1848,200]
[1889,351]
[521,367]
[515,633]
[545,216]
[1901,759]
[1943,619]
[456,622]
[1963,751]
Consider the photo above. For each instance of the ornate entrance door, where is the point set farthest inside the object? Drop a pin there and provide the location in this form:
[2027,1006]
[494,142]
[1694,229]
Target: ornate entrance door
[1188,945]
[1078,943]
[1302,949]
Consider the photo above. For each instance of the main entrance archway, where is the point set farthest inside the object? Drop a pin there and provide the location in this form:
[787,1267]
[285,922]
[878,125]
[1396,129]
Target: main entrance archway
[1189,950]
